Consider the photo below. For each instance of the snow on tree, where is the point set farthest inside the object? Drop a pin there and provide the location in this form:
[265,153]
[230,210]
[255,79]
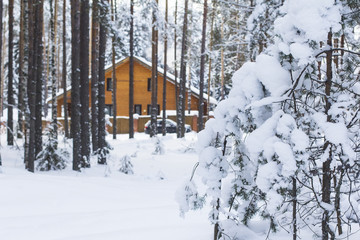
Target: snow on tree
[126,165]
[286,129]
[51,157]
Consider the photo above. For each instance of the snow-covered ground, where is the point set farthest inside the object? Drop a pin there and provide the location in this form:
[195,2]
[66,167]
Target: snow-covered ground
[102,203]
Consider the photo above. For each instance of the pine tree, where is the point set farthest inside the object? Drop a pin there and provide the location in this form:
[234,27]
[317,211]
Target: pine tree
[22,83]
[64,73]
[84,83]
[131,72]
[202,70]
[39,21]
[114,81]
[163,127]
[75,84]
[102,146]
[11,101]
[94,76]
[1,34]
[181,110]
[154,74]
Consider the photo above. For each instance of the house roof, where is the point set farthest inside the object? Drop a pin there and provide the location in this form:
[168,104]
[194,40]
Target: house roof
[170,77]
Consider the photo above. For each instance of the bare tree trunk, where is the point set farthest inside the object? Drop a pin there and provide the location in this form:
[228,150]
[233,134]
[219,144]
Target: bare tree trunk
[210,59]
[21,103]
[53,75]
[222,60]
[30,154]
[11,102]
[176,74]
[326,180]
[154,77]
[75,84]
[84,83]
[64,73]
[294,202]
[202,71]
[94,75]
[165,72]
[181,109]
[39,75]
[1,33]
[131,73]
[114,81]
[101,106]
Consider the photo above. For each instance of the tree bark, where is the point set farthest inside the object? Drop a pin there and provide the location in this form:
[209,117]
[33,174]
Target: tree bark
[101,106]
[30,152]
[94,75]
[165,72]
[210,59]
[114,81]
[11,102]
[84,83]
[22,85]
[53,76]
[202,71]
[154,76]
[182,100]
[64,73]
[1,34]
[75,84]
[39,74]
[131,73]
[326,178]
[176,74]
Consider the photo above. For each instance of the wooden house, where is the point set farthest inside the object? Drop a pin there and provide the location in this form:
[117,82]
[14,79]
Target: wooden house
[142,90]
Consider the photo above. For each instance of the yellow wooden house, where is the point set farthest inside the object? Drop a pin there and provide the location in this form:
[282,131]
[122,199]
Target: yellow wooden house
[142,90]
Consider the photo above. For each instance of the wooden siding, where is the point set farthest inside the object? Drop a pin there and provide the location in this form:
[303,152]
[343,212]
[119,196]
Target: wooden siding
[141,95]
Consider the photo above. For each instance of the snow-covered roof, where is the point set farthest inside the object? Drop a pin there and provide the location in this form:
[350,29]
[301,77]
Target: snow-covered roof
[148,64]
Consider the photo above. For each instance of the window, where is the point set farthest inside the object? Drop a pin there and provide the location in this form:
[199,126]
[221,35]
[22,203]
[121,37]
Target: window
[149,109]
[137,109]
[109,84]
[109,110]
[149,85]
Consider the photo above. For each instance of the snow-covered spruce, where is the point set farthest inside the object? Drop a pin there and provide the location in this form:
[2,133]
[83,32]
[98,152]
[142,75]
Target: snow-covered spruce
[126,165]
[51,157]
[290,125]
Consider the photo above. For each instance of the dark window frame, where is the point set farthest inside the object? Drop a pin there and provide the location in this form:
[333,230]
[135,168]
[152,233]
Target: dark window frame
[110,109]
[138,105]
[149,84]
[109,84]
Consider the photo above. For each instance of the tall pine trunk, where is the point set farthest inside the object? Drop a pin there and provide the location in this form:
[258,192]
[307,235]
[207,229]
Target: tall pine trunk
[53,76]
[114,81]
[1,33]
[84,83]
[10,102]
[176,74]
[30,152]
[202,70]
[326,178]
[94,75]
[165,71]
[154,76]
[64,73]
[22,85]
[131,73]
[182,100]
[210,59]
[101,106]
[39,6]
[75,83]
